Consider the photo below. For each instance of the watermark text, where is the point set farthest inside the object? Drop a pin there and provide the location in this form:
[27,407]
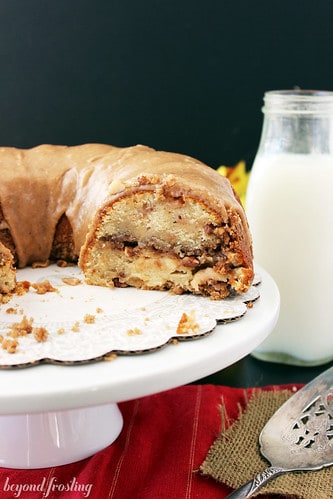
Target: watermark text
[47,487]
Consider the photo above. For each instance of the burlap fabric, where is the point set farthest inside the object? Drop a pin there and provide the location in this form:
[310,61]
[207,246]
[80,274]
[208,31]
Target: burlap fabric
[234,458]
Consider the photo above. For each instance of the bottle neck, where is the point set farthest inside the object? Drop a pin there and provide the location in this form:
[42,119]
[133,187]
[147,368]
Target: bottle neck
[297,122]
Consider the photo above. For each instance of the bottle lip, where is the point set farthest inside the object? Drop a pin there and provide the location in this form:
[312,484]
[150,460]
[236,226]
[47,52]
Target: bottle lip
[296,101]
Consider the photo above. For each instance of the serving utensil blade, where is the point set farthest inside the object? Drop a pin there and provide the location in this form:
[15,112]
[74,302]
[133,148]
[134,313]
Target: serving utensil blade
[299,436]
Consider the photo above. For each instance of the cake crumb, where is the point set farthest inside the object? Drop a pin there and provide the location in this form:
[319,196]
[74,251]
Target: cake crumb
[63,264]
[188,324]
[43,287]
[76,327]
[21,328]
[22,287]
[89,319]
[61,330]
[71,281]
[10,342]
[10,345]
[40,334]
[110,357]
[133,332]
[99,310]
[11,310]
[40,265]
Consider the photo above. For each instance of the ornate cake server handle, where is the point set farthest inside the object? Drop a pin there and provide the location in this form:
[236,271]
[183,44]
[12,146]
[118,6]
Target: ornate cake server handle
[249,488]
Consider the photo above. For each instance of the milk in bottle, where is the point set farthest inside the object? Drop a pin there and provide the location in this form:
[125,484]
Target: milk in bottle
[289,206]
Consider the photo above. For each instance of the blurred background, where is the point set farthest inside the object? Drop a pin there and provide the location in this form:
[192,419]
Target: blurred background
[178,75]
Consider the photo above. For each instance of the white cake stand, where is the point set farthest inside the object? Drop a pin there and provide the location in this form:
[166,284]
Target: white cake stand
[52,415]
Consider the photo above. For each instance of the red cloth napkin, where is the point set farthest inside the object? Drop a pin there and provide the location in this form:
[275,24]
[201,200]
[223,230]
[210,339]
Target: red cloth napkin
[164,440]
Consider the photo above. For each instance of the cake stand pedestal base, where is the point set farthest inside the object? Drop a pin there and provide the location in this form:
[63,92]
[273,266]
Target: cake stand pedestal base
[41,440]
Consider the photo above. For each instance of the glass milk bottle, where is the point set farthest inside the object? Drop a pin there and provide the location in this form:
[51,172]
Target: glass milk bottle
[289,205]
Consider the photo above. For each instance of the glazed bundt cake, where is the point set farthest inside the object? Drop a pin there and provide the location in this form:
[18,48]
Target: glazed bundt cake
[130,217]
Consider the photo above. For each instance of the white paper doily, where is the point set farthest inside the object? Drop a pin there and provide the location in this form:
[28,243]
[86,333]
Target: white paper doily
[83,323]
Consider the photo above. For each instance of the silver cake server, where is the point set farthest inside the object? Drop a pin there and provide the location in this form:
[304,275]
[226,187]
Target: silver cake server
[299,436]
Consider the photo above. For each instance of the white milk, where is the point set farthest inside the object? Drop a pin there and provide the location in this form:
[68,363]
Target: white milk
[289,206]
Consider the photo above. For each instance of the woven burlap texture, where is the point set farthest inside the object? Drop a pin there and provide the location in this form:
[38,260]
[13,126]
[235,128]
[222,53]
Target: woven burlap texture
[234,458]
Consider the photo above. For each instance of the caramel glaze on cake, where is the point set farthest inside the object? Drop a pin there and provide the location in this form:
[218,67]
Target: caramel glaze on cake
[130,216]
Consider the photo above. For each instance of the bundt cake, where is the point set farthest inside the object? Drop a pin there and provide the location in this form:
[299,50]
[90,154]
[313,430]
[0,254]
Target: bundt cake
[129,216]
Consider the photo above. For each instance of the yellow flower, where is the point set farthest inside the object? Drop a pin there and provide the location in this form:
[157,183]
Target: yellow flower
[238,177]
